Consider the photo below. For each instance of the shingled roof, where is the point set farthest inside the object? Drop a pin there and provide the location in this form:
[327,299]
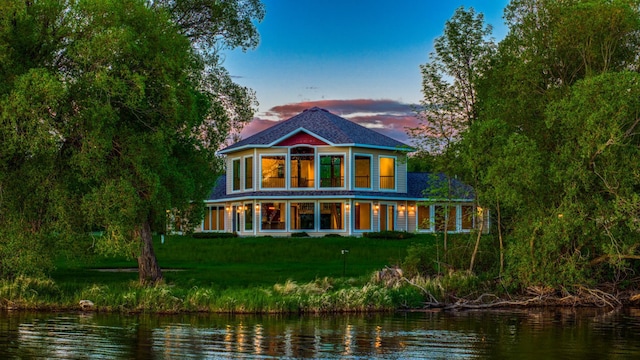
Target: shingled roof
[420,185]
[328,127]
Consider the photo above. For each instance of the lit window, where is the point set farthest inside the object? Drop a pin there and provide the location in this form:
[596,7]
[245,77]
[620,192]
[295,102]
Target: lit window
[362,216]
[272,216]
[387,173]
[273,171]
[302,169]
[363,171]
[424,217]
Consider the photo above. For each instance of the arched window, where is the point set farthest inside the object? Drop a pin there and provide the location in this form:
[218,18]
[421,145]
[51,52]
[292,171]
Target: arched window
[302,167]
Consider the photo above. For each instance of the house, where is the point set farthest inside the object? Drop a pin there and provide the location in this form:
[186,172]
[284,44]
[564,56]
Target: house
[322,174]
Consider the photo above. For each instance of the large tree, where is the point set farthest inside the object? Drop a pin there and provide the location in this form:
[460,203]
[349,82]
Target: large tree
[114,111]
[544,100]
[448,107]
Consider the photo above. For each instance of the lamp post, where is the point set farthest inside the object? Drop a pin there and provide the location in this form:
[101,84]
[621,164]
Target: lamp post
[344,261]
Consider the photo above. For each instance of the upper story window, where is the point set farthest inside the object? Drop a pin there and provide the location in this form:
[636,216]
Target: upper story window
[302,167]
[387,173]
[362,171]
[236,174]
[273,170]
[248,172]
[332,171]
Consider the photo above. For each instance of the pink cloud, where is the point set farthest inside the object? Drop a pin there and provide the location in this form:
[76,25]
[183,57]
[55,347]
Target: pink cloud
[388,117]
[343,107]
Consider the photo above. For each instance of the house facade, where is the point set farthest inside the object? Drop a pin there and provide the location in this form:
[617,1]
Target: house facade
[322,174]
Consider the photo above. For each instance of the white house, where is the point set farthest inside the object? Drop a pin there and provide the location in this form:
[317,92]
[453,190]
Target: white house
[322,174]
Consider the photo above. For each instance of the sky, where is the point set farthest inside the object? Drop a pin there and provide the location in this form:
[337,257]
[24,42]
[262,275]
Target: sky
[359,59]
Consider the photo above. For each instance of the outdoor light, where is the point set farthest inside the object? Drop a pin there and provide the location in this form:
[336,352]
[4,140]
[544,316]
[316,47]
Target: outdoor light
[411,208]
[376,206]
[257,207]
[401,207]
[228,208]
[346,206]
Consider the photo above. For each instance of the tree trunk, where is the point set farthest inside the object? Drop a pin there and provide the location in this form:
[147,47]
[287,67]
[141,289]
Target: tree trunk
[148,268]
[475,250]
[500,237]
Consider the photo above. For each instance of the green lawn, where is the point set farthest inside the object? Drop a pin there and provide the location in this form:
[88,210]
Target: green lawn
[247,262]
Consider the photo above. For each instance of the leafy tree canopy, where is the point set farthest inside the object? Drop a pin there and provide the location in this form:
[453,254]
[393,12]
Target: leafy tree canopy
[112,111]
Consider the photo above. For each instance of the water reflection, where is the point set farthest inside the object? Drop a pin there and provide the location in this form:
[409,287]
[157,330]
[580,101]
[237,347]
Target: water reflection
[533,334]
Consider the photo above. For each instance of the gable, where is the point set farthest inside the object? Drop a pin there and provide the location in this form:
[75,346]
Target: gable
[301,138]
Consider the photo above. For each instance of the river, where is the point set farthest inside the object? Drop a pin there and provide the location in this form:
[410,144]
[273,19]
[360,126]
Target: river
[565,333]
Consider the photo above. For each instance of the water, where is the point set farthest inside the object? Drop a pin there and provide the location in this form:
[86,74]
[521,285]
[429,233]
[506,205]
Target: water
[512,334]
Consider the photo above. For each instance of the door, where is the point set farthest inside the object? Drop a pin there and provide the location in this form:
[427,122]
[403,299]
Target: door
[387,217]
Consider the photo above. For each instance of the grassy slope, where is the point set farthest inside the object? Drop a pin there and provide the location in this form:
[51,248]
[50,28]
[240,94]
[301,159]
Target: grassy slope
[245,262]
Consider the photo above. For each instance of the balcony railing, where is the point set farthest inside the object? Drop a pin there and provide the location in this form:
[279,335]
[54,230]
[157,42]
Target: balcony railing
[363,181]
[387,182]
[332,182]
[273,182]
[297,182]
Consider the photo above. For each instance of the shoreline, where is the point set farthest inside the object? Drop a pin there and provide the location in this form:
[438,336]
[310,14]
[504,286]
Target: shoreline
[602,300]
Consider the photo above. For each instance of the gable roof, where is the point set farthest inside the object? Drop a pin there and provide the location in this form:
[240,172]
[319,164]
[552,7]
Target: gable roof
[327,127]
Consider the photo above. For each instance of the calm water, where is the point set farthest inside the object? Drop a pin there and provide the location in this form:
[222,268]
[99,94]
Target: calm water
[513,334]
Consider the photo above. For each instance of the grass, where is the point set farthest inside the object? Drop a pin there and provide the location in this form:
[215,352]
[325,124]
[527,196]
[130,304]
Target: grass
[247,262]
[240,275]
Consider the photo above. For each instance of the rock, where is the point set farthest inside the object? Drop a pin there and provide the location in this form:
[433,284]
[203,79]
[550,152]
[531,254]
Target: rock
[86,304]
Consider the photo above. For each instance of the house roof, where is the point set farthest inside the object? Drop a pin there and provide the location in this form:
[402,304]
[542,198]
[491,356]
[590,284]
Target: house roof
[330,128]
[419,186]
[434,186]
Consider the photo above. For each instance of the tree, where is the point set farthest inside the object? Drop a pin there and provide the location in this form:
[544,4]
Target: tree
[133,105]
[449,83]
[545,99]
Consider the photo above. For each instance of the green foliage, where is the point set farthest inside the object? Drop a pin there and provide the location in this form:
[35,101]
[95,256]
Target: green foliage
[421,260]
[24,253]
[111,113]
[427,258]
[299,234]
[214,235]
[27,292]
[556,146]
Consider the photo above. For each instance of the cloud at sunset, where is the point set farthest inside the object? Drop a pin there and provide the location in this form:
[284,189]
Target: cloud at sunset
[388,117]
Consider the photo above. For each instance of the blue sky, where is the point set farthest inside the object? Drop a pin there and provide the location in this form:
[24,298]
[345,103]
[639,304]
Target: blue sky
[359,59]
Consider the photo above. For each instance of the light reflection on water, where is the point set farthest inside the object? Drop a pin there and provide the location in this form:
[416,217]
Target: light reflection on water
[533,334]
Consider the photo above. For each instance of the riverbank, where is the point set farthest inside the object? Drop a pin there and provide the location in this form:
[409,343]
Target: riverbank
[322,296]
[289,275]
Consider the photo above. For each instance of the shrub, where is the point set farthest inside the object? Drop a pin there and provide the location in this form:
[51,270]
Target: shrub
[389,235]
[420,260]
[213,235]
[299,234]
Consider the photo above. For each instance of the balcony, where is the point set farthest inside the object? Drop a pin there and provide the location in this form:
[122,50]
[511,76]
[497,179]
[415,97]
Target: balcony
[363,181]
[387,182]
[300,182]
[273,182]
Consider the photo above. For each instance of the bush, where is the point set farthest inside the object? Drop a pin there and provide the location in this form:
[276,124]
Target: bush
[420,260]
[214,235]
[332,235]
[299,234]
[389,235]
